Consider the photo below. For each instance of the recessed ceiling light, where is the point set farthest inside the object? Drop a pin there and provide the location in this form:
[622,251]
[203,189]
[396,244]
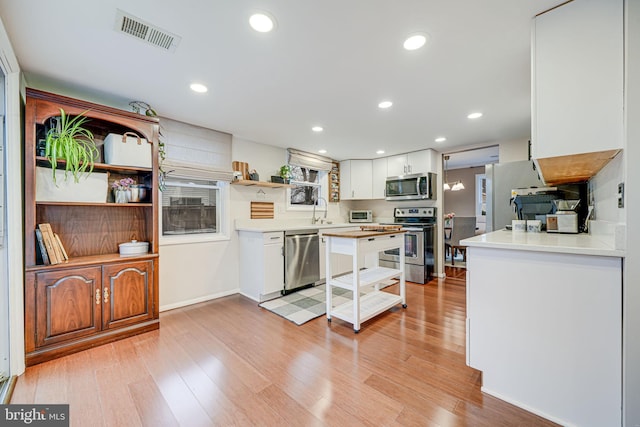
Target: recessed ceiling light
[385,104]
[380,152]
[415,41]
[474,115]
[322,151]
[317,129]
[261,22]
[441,139]
[197,87]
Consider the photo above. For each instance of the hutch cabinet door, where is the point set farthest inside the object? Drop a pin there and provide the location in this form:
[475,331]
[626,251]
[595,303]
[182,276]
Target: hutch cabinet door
[127,293]
[68,304]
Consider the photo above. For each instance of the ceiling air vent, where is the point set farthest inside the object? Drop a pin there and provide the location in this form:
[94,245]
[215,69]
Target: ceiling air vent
[136,27]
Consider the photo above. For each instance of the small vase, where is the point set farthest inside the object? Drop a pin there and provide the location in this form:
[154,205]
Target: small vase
[122,196]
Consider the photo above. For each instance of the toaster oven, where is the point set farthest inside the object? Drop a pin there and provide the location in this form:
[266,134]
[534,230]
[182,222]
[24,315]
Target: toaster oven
[360,215]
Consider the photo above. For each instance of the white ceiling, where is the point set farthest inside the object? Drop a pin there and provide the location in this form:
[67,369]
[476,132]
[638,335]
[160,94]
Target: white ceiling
[328,63]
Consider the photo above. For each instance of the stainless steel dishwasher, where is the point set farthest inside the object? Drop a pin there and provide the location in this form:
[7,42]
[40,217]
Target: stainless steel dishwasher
[301,259]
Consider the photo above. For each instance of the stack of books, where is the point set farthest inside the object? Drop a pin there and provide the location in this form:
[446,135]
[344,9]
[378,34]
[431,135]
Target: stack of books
[51,249]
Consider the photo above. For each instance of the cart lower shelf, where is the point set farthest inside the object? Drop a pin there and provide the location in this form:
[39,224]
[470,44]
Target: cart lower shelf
[371,305]
[368,277]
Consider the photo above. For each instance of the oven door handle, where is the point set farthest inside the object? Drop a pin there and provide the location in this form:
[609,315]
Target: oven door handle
[411,229]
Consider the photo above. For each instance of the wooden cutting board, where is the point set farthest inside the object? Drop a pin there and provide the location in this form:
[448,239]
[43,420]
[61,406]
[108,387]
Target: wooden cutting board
[261,210]
[242,167]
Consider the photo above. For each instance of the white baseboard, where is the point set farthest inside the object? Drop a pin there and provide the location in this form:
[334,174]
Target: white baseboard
[249,296]
[198,300]
[526,407]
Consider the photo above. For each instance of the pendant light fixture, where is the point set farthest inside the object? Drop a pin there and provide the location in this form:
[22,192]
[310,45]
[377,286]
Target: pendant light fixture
[446,186]
[458,184]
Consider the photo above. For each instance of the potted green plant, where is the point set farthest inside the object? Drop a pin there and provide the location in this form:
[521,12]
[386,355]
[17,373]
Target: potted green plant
[285,173]
[71,142]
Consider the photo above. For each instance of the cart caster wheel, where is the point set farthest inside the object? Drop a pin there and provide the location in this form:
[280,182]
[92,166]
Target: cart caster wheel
[328,320]
[355,331]
[404,305]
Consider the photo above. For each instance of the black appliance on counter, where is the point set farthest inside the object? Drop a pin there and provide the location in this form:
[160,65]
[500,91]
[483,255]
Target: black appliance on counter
[419,244]
[538,204]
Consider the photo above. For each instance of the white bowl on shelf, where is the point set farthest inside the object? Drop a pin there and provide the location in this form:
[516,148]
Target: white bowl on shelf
[133,248]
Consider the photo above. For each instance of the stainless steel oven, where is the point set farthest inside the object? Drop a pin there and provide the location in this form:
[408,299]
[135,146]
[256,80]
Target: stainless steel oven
[419,244]
[413,248]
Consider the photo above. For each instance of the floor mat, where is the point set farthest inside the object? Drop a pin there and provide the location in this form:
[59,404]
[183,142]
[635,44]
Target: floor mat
[302,306]
[306,304]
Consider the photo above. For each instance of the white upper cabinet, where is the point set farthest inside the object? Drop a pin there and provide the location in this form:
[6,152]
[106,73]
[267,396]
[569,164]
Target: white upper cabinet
[577,79]
[397,165]
[379,167]
[415,162]
[355,179]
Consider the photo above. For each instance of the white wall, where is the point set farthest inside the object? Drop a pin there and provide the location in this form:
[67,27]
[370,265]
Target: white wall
[631,272]
[605,189]
[463,202]
[513,151]
[265,159]
[14,219]
[196,272]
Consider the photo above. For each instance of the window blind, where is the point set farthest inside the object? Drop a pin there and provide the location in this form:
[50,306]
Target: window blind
[309,160]
[195,152]
[188,170]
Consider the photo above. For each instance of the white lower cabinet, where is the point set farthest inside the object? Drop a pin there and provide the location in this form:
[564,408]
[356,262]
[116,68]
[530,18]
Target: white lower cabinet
[545,329]
[261,264]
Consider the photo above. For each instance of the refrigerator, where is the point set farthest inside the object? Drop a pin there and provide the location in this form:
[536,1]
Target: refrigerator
[501,178]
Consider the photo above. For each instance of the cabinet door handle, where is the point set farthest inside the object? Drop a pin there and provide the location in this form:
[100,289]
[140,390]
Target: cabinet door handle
[106,295]
[98,296]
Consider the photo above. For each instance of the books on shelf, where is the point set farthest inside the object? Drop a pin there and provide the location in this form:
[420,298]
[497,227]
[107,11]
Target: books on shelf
[42,248]
[50,245]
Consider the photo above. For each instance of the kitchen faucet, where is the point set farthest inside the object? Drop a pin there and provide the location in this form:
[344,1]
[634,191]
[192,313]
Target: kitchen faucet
[315,220]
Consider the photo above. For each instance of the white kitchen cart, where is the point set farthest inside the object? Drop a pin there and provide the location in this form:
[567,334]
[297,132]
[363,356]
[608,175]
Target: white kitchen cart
[373,301]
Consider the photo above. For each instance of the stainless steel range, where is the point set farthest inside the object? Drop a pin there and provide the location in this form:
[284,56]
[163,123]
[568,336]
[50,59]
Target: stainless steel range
[419,244]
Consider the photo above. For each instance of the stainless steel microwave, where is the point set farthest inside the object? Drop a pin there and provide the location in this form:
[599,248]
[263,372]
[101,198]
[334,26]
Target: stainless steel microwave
[419,186]
[360,216]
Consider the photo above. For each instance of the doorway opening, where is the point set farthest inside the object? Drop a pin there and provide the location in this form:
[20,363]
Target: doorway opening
[464,199]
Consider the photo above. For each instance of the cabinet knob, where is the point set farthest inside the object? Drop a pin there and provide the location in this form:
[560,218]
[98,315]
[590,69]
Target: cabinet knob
[106,295]
[98,296]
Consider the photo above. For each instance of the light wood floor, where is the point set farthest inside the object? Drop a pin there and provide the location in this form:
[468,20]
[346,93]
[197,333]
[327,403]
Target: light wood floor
[229,362]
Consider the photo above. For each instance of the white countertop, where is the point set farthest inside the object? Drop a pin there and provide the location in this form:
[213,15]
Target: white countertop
[580,244]
[268,225]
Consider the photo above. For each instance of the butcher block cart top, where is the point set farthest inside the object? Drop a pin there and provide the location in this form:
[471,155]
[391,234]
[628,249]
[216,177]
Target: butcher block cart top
[368,299]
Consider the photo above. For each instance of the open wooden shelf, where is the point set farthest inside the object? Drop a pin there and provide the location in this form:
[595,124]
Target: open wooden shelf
[92,260]
[247,183]
[43,161]
[102,205]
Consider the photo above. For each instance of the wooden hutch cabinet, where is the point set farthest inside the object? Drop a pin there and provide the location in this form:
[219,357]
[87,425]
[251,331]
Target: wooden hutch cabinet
[96,296]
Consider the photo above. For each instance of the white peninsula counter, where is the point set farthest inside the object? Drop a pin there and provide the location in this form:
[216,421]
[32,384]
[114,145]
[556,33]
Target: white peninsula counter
[544,323]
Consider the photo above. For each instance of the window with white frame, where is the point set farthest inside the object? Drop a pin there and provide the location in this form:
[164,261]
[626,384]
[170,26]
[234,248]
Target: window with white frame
[191,206]
[307,187]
